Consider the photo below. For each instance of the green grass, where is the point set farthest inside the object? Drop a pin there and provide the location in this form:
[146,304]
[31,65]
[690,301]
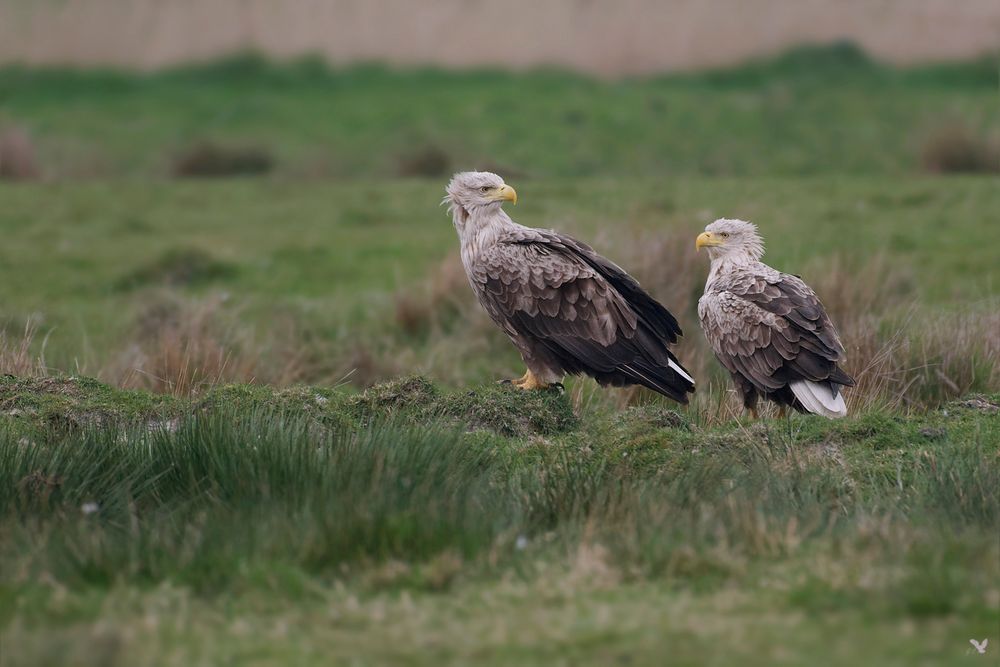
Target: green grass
[306,274]
[300,516]
[813,111]
[91,262]
[386,532]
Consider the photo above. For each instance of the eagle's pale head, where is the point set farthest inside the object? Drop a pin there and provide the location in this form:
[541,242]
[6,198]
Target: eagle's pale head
[731,238]
[472,190]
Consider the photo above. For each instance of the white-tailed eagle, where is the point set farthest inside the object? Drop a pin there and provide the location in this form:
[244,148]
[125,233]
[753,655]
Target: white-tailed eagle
[768,328]
[566,309]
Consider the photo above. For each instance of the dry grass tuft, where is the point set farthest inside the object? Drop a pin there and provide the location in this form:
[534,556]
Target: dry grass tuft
[182,348]
[955,148]
[669,270]
[455,335]
[364,363]
[18,158]
[16,357]
[849,287]
[207,159]
[901,354]
[922,360]
[442,297]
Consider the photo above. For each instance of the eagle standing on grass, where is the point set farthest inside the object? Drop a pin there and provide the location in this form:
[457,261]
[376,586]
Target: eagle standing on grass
[768,328]
[566,309]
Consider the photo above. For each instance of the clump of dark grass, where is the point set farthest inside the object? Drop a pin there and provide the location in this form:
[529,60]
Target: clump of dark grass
[212,159]
[178,267]
[18,157]
[955,148]
[427,161]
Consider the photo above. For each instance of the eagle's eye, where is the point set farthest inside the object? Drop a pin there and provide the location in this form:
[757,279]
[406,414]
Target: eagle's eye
[485,188]
[724,235]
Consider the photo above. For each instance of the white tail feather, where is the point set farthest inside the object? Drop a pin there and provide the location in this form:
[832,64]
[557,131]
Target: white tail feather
[680,371]
[819,398]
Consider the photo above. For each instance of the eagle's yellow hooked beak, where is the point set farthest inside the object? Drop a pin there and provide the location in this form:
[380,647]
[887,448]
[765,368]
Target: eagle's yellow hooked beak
[505,193]
[706,240]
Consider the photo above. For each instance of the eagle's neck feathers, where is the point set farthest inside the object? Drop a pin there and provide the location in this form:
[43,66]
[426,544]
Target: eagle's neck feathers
[738,260]
[480,228]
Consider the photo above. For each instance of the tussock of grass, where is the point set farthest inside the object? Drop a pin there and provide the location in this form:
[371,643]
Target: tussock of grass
[17,357]
[427,162]
[18,156]
[955,148]
[209,159]
[184,347]
[178,267]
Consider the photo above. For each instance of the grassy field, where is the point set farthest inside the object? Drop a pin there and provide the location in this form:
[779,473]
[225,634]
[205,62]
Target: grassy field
[814,111]
[207,455]
[172,285]
[414,525]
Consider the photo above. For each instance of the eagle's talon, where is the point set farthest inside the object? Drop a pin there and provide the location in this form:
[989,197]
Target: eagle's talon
[530,382]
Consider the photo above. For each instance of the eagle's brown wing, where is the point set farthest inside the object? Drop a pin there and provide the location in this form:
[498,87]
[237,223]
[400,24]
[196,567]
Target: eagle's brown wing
[581,309]
[771,329]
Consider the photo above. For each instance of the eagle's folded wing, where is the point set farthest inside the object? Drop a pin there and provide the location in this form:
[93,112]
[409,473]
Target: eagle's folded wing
[583,310]
[773,330]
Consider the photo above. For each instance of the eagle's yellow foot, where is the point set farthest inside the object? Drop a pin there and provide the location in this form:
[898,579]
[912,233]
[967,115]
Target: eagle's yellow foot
[517,383]
[529,382]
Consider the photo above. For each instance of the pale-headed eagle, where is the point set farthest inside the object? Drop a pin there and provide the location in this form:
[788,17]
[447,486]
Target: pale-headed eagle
[566,309]
[768,328]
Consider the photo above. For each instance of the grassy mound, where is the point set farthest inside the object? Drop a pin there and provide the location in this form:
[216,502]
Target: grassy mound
[79,402]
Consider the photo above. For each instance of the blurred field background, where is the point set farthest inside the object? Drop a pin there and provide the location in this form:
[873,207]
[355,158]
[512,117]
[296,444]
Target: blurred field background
[255,245]
[279,223]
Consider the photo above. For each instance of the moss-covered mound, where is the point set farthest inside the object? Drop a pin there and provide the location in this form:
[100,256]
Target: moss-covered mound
[74,402]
